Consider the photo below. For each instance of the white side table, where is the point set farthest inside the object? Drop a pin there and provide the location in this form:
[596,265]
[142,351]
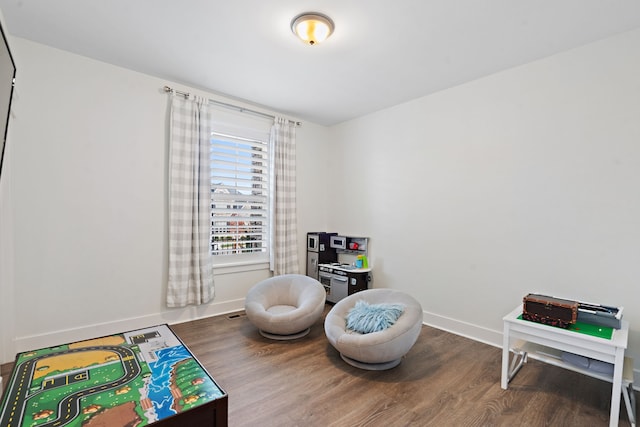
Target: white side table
[606,350]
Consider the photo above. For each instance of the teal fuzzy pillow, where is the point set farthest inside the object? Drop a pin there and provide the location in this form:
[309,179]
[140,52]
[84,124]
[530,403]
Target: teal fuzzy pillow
[366,318]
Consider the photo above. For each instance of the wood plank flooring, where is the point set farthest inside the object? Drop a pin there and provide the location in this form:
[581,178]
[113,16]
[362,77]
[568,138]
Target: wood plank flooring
[445,380]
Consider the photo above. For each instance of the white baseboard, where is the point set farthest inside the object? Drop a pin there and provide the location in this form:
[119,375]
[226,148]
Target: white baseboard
[171,316]
[467,330]
[174,316]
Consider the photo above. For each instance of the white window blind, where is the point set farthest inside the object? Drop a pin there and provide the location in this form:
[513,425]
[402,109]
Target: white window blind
[239,195]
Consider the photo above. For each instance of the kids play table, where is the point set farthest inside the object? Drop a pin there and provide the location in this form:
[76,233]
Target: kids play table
[143,377]
[545,343]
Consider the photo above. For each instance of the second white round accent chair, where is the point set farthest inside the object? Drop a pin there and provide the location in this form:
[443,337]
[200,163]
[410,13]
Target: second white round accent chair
[375,328]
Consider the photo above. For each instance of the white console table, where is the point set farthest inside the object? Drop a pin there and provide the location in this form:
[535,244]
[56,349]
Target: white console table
[554,339]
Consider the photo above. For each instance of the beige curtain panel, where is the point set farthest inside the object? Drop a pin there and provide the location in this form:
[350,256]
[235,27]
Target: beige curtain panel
[284,234]
[190,261]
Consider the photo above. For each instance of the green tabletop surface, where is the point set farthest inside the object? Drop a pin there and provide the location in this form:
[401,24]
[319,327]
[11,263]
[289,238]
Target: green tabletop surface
[605,332]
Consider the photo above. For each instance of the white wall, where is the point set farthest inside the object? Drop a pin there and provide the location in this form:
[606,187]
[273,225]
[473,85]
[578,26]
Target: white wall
[88,173]
[527,180]
[6,261]
[6,248]
[7,308]
[522,181]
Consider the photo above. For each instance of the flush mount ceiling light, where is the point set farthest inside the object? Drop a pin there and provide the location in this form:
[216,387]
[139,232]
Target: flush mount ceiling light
[312,27]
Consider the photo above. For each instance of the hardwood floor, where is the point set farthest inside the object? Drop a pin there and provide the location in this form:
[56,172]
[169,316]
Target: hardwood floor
[445,380]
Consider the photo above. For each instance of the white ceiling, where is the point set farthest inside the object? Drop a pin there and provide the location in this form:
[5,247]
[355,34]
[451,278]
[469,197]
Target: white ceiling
[382,52]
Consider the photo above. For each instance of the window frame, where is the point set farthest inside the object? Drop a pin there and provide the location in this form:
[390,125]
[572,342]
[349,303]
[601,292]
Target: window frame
[248,131]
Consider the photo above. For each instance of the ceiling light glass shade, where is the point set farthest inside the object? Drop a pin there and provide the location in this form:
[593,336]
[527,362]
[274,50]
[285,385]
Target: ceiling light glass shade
[312,28]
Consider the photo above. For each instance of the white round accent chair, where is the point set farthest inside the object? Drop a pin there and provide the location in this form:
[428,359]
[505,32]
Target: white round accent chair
[379,350]
[284,307]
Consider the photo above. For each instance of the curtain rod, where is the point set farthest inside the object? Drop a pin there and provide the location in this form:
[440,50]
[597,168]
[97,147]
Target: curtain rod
[230,106]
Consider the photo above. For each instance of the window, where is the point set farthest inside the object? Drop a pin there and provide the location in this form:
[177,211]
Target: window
[239,197]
